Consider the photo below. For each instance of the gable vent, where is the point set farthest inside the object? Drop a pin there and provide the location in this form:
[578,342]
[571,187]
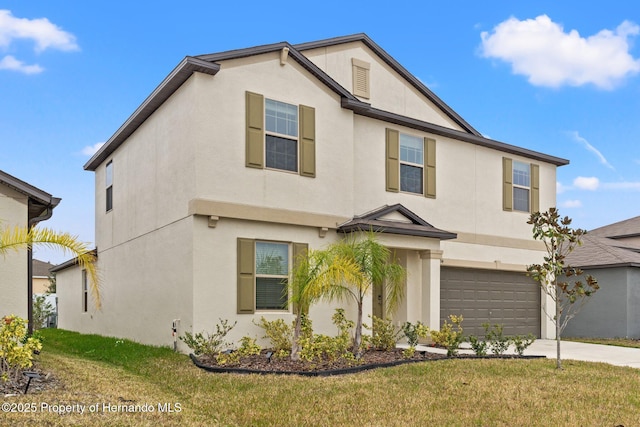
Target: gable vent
[361,79]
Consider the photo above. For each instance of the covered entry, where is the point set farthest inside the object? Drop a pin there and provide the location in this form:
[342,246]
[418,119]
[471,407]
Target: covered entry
[509,298]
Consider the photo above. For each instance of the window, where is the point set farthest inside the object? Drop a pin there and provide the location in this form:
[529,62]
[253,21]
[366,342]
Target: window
[411,163]
[263,269]
[281,126]
[109,185]
[521,186]
[280,136]
[272,270]
[85,292]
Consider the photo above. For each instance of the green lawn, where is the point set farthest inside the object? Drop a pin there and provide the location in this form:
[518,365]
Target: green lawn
[102,373]
[621,342]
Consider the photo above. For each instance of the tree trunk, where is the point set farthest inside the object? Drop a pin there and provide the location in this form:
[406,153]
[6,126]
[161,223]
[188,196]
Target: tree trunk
[295,346]
[557,322]
[358,339]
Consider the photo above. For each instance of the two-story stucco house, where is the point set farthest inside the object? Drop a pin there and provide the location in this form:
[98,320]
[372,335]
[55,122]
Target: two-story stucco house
[276,148]
[21,205]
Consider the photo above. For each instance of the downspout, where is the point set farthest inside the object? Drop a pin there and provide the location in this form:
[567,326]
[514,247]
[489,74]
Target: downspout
[32,222]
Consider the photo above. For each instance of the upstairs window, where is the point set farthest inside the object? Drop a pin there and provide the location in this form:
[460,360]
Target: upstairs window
[411,163]
[521,186]
[280,136]
[281,144]
[109,186]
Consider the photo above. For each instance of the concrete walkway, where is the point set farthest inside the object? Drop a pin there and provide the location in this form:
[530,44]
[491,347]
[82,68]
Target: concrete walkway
[619,356]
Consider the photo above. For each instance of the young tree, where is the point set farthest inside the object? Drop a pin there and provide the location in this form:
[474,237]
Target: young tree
[15,239]
[374,266]
[560,281]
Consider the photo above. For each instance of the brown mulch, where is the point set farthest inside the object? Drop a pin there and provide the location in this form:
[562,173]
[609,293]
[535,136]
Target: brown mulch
[262,364]
[46,381]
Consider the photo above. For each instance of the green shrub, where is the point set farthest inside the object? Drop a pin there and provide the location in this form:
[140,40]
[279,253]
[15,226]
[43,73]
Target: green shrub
[203,343]
[479,346]
[318,347]
[415,332]
[280,335]
[385,334]
[248,347]
[498,342]
[447,337]
[42,310]
[522,342]
[16,348]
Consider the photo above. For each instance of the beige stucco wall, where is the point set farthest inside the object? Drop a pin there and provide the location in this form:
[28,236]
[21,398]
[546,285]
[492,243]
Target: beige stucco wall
[389,91]
[160,263]
[13,265]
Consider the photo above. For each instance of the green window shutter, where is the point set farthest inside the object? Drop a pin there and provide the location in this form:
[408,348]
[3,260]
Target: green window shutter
[307,141]
[507,184]
[393,160]
[255,131]
[535,188]
[246,276]
[299,250]
[430,168]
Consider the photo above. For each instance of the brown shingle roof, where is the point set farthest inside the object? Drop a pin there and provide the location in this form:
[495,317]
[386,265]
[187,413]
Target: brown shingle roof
[41,268]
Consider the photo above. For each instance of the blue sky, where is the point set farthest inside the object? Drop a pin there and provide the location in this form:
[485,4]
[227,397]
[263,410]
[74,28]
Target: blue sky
[562,78]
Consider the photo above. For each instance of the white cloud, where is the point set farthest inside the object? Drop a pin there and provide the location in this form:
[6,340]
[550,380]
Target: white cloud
[90,150]
[571,204]
[541,50]
[586,183]
[44,34]
[592,149]
[11,63]
[560,188]
[623,185]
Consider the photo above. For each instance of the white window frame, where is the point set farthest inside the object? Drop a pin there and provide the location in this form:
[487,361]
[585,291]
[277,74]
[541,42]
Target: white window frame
[295,138]
[283,277]
[516,186]
[408,163]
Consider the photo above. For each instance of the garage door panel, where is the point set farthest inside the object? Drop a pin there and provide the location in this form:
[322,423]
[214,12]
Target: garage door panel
[508,298]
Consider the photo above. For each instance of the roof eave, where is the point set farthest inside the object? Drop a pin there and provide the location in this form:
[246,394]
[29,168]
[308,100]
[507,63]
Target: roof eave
[389,228]
[365,109]
[169,85]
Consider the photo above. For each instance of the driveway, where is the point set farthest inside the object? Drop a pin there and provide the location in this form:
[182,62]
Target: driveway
[619,356]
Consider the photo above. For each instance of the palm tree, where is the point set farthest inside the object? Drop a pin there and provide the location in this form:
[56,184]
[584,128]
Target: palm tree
[374,266]
[15,239]
[314,271]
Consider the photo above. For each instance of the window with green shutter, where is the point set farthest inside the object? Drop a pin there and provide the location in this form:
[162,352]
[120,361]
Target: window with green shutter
[521,186]
[410,164]
[280,136]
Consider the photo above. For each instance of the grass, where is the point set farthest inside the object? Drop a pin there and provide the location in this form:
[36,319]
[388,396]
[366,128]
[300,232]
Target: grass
[97,370]
[620,342]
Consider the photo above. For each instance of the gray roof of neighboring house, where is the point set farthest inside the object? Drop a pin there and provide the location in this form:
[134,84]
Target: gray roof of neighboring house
[207,64]
[40,202]
[627,228]
[602,252]
[41,268]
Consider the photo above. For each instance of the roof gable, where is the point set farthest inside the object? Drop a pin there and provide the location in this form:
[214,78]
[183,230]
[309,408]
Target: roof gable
[394,219]
[208,64]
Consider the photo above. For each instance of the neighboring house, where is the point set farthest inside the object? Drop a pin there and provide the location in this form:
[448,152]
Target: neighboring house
[40,274]
[22,205]
[611,254]
[260,153]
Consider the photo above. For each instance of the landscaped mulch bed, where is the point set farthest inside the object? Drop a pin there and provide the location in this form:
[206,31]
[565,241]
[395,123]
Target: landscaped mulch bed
[45,381]
[371,359]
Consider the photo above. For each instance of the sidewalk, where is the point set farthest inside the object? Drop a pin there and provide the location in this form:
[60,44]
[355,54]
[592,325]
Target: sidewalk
[619,356]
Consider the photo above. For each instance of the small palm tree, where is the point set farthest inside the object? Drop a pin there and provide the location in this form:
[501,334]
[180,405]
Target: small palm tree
[314,271]
[17,238]
[374,266]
